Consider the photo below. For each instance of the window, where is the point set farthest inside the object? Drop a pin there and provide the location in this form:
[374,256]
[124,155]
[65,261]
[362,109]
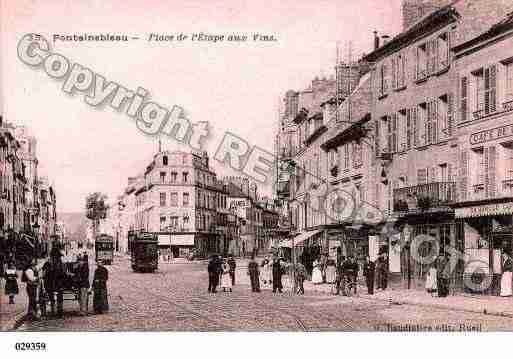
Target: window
[383,80]
[185,219]
[432,121]
[333,157]
[432,56]
[162,222]
[185,176]
[509,82]
[404,127]
[377,134]
[173,177]
[444,50]
[463,99]
[411,119]
[485,80]
[357,155]
[445,116]
[392,133]
[165,161]
[162,177]
[422,176]
[399,71]
[478,167]
[173,222]
[174,199]
[162,199]
[421,62]
[346,148]
[186,199]
[421,125]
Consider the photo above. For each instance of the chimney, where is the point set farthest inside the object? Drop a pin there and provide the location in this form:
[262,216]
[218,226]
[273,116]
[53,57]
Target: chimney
[376,40]
[385,39]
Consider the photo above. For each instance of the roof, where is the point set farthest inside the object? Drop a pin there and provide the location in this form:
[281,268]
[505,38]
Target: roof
[501,27]
[346,133]
[428,23]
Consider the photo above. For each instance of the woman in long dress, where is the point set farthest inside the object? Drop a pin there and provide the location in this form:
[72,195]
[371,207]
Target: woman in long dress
[100,298]
[506,279]
[11,282]
[331,271]
[316,273]
[431,286]
[226,280]
[266,274]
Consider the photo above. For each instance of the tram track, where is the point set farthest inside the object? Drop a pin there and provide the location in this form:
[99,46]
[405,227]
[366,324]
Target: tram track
[183,308]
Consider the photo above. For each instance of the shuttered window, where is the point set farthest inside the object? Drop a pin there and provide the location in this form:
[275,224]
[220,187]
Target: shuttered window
[490,89]
[490,158]
[463,175]
[409,128]
[464,99]
[392,133]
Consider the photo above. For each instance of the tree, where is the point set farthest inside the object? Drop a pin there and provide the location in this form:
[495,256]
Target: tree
[96,209]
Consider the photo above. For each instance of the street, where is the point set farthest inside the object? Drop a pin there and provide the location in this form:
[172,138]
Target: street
[176,299]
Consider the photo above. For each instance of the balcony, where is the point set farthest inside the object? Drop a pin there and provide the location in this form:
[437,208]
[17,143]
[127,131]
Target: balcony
[425,197]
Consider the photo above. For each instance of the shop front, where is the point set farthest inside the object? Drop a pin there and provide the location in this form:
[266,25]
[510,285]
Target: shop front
[487,234]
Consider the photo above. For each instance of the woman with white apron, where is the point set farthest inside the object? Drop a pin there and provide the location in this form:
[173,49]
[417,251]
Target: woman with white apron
[431,286]
[506,279]
[316,273]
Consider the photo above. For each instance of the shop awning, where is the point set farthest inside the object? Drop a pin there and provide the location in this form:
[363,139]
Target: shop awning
[298,240]
[495,209]
[182,239]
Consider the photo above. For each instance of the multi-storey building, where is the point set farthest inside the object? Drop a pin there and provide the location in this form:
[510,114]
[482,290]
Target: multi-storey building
[414,113]
[179,200]
[242,200]
[24,209]
[350,204]
[485,148]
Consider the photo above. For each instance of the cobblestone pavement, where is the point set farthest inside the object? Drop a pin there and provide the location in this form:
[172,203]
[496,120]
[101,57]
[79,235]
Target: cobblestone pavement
[176,298]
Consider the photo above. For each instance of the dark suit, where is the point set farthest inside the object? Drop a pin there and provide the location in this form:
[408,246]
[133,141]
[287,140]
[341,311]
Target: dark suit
[369,270]
[277,273]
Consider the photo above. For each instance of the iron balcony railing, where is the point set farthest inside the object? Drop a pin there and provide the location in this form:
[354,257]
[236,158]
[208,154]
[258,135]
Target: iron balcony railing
[424,196]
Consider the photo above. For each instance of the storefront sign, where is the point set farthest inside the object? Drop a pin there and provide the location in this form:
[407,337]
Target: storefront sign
[496,209]
[491,135]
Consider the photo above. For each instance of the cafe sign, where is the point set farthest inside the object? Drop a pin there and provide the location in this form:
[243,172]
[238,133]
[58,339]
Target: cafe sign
[496,209]
[491,135]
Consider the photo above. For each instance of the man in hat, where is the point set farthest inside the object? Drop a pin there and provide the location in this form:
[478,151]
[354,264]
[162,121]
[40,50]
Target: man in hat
[442,275]
[232,264]
[213,274]
[254,274]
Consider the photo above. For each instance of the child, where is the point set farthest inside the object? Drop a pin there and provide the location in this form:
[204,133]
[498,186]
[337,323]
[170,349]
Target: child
[11,282]
[431,281]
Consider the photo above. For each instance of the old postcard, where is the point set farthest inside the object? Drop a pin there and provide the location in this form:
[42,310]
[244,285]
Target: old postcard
[226,166]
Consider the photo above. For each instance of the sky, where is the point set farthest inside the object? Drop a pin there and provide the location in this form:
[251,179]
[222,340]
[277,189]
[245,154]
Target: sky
[236,87]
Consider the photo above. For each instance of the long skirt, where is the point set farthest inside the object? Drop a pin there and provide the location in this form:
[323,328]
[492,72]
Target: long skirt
[431,282]
[11,286]
[100,300]
[226,280]
[331,274]
[506,282]
[316,276]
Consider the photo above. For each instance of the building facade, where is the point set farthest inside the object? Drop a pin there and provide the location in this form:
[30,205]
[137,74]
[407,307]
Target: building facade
[485,151]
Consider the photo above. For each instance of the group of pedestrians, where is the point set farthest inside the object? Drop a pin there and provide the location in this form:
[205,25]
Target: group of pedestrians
[269,273]
[221,271]
[46,285]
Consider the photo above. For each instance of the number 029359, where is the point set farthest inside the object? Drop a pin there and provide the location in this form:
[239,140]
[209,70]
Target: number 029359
[30,346]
